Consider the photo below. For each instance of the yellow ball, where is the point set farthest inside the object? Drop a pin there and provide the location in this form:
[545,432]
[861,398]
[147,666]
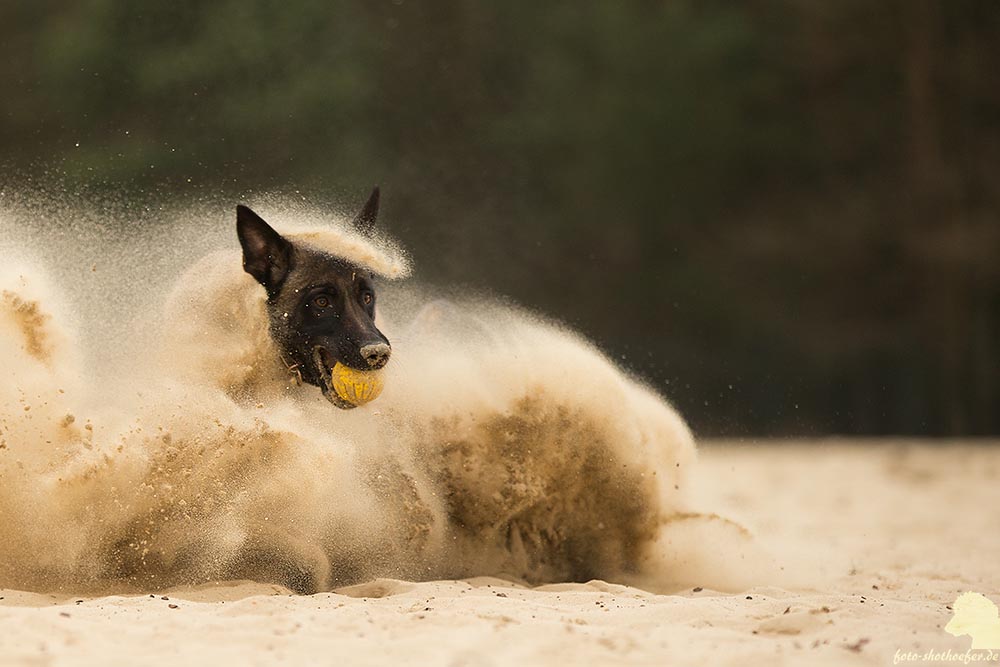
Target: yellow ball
[355,387]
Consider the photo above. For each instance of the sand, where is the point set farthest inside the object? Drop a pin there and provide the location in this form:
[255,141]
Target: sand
[881,535]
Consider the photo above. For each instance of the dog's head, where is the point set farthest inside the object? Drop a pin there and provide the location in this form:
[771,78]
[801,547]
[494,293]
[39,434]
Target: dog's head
[321,307]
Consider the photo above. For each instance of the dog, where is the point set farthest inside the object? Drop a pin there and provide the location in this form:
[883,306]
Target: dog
[285,312]
[503,444]
[551,465]
[320,307]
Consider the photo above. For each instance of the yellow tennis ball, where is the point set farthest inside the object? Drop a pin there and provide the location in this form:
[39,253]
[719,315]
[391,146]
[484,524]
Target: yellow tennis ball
[355,387]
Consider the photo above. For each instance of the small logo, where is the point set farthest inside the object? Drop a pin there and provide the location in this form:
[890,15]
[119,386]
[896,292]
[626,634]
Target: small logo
[977,616]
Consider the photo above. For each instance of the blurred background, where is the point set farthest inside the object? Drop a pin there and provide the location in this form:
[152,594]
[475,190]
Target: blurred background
[783,213]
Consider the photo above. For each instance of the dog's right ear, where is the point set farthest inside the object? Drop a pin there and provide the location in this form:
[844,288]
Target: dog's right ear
[266,254]
[364,221]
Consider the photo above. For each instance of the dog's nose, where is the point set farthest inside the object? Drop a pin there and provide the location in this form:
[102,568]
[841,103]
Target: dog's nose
[376,355]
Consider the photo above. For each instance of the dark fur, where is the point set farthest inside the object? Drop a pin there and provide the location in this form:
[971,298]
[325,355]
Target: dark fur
[321,308]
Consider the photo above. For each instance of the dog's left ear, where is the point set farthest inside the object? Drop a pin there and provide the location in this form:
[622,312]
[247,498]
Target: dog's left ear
[364,221]
[266,254]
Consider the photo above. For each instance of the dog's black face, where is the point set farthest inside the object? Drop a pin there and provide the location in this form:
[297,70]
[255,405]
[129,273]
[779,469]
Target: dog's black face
[321,308]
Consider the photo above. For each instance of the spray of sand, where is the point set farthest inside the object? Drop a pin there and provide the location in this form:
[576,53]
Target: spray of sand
[150,438]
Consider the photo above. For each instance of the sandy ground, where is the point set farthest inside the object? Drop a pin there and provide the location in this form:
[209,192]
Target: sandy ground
[887,533]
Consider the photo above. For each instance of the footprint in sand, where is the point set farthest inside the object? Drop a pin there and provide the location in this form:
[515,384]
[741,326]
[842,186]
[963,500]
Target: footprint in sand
[977,616]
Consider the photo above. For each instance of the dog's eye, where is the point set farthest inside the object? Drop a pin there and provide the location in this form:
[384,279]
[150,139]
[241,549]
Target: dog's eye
[321,301]
[367,298]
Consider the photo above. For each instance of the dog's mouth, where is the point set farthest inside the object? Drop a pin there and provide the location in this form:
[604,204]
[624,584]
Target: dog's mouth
[345,387]
[325,362]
